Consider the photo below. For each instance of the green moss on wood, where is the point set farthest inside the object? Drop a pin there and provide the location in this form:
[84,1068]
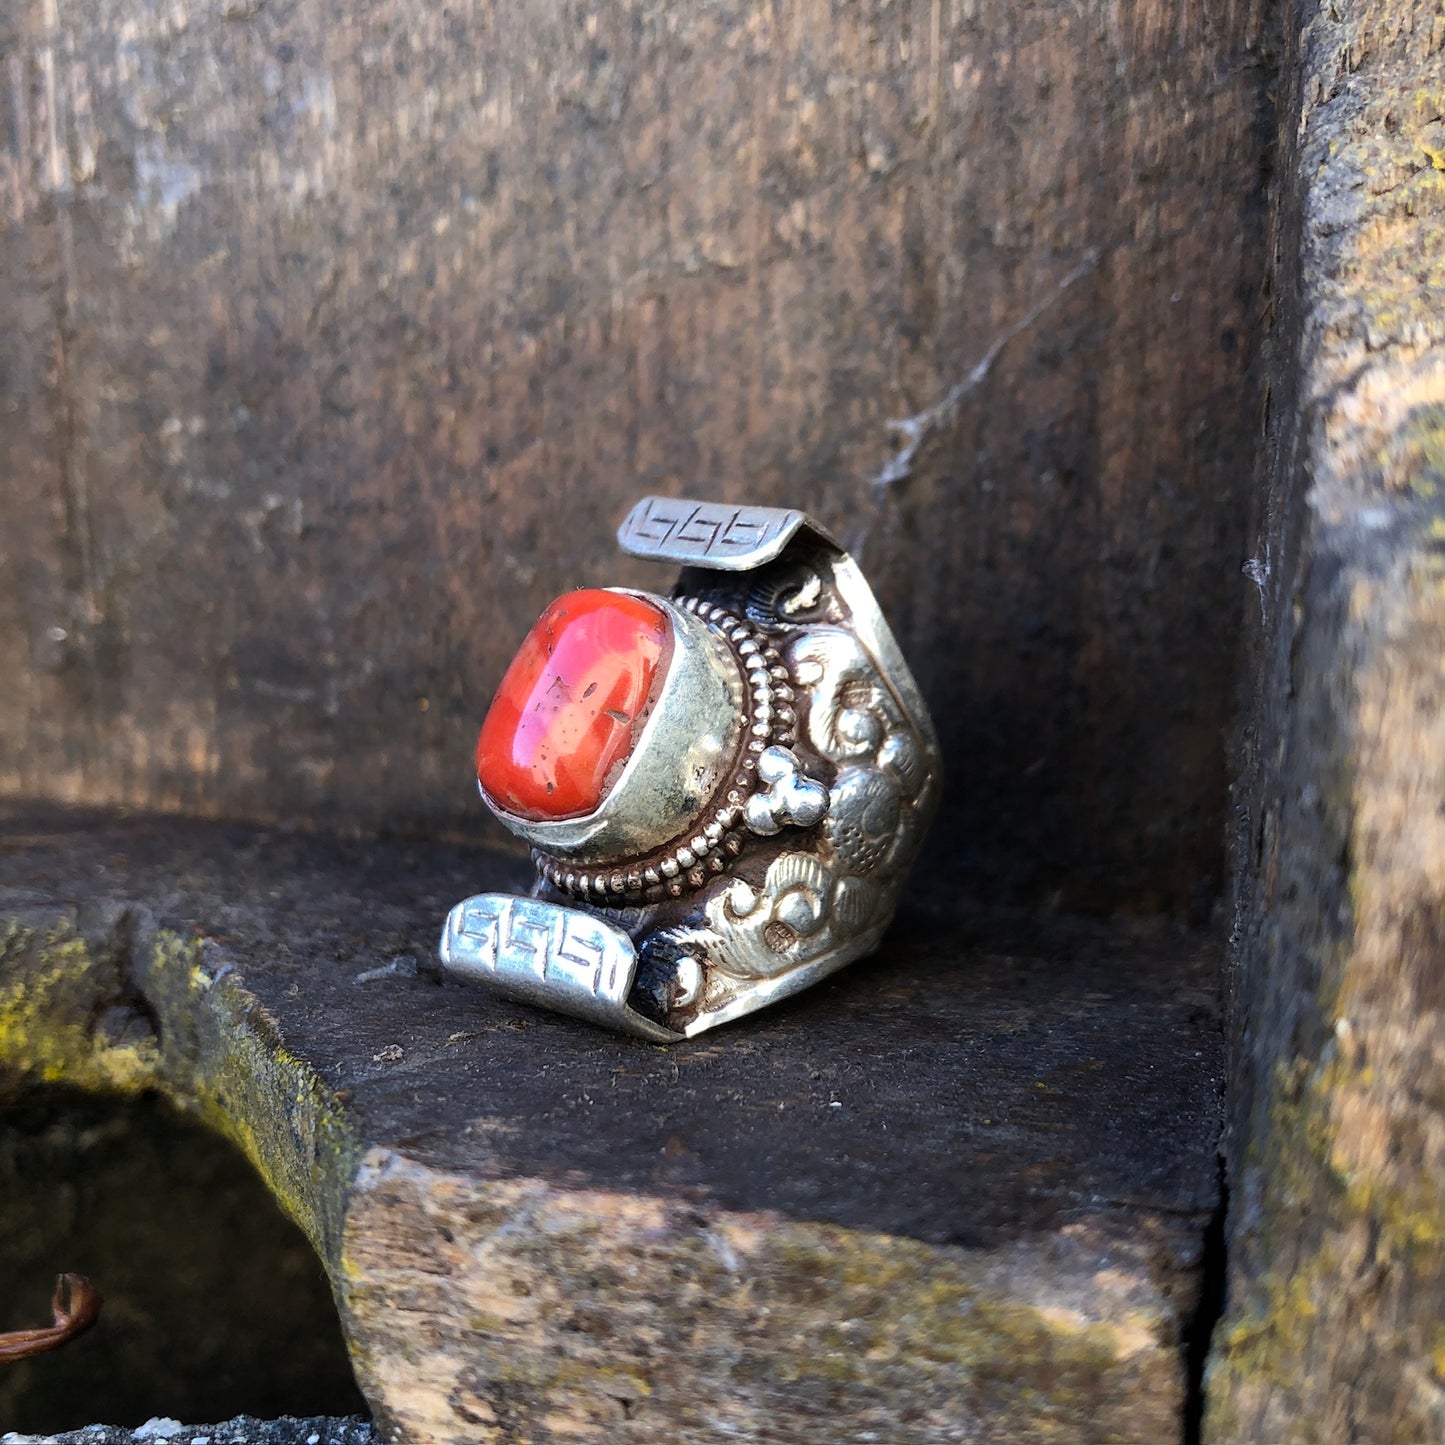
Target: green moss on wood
[1309,1172]
[52,990]
[218,1055]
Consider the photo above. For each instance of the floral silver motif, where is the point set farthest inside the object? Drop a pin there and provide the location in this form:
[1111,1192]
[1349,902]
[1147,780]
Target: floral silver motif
[786,797]
[812,904]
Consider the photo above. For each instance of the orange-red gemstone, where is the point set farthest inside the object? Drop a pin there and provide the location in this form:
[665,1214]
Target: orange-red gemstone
[568,713]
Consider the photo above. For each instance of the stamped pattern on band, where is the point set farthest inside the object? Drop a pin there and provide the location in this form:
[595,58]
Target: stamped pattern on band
[708,534]
[530,944]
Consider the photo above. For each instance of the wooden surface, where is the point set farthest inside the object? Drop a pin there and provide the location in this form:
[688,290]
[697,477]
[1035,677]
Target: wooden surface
[961,1187]
[336,343]
[1337,1206]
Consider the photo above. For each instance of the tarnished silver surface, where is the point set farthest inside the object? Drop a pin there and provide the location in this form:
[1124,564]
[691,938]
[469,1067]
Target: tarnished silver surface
[821,797]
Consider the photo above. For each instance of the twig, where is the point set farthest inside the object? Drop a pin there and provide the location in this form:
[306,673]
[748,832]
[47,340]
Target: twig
[76,1307]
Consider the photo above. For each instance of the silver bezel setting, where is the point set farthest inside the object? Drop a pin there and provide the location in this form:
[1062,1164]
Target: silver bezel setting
[685,747]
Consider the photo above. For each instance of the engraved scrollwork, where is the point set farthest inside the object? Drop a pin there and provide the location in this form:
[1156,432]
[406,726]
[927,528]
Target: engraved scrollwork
[783,596]
[762,932]
[863,815]
[855,901]
[851,713]
[811,904]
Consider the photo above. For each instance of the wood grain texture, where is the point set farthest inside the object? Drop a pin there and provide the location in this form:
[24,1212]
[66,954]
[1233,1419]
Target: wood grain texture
[1337,1212]
[961,1187]
[338,343]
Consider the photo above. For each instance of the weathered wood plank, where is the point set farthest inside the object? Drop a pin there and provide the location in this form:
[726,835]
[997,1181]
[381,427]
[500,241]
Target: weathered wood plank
[338,342]
[960,1187]
[1337,1217]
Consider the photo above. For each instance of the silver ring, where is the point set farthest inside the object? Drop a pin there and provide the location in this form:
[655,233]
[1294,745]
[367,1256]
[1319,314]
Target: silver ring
[723,789]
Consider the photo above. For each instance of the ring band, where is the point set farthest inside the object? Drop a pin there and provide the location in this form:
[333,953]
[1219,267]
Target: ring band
[723,789]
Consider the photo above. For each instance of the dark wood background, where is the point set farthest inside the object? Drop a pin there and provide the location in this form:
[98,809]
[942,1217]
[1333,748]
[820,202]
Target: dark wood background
[336,341]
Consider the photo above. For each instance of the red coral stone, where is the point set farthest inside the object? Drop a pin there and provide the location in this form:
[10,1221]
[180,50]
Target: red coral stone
[571,706]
